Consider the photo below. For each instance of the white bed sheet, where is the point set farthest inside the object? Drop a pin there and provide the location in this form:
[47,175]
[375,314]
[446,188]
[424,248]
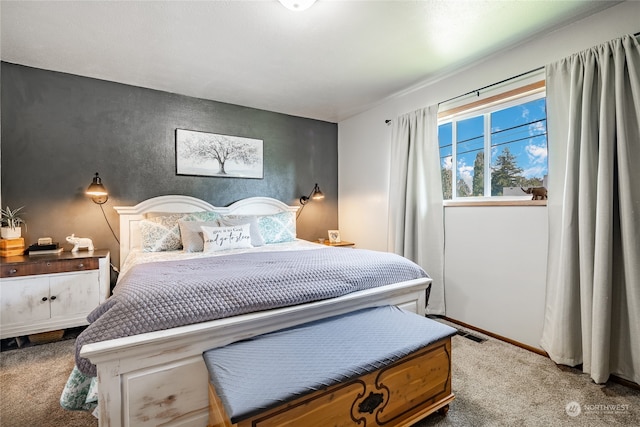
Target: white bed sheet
[137,256]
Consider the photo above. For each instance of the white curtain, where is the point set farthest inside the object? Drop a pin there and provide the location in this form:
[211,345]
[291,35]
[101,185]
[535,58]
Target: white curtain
[592,313]
[416,224]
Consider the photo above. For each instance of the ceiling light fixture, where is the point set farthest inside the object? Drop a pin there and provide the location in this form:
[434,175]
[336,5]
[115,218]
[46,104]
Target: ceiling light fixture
[297,5]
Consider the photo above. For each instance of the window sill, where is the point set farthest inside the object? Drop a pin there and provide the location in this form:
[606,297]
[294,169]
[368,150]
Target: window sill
[489,202]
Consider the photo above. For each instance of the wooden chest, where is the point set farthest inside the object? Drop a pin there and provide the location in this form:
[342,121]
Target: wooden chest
[398,395]
[374,367]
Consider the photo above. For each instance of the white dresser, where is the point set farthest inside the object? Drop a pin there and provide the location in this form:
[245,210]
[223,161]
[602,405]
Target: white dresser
[41,293]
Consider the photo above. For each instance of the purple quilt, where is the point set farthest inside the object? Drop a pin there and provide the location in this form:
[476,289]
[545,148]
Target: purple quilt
[164,295]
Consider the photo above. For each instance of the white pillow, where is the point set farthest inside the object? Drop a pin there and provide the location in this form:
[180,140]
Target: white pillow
[223,238]
[161,233]
[254,229]
[278,228]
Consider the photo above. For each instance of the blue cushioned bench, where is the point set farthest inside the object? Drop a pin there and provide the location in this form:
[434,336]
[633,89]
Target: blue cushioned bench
[382,365]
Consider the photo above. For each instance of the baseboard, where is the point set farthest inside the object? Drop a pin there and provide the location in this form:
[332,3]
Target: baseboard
[498,337]
[624,382]
[539,351]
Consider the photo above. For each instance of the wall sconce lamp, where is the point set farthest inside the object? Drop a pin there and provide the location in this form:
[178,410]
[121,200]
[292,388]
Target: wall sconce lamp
[315,194]
[99,195]
[97,192]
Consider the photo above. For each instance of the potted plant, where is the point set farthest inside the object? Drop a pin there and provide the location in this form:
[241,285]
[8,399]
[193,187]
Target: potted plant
[11,223]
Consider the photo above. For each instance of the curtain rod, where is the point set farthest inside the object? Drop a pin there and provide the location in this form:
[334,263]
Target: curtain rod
[492,84]
[505,80]
[388,121]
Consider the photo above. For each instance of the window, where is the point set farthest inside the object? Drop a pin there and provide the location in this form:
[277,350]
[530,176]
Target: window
[496,146]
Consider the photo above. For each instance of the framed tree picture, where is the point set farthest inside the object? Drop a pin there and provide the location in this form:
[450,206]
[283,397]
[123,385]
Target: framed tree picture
[212,154]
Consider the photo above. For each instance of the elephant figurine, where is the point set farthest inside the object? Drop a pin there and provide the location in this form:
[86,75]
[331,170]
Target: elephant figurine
[80,242]
[538,193]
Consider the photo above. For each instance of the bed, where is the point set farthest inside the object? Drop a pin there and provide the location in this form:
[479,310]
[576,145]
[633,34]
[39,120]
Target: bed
[158,377]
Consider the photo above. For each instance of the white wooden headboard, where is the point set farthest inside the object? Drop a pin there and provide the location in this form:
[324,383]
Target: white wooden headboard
[130,216]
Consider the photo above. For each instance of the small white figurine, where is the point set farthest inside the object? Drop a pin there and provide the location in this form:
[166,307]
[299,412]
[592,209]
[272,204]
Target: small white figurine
[80,242]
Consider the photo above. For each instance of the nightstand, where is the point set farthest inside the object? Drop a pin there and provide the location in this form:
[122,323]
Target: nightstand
[343,243]
[40,293]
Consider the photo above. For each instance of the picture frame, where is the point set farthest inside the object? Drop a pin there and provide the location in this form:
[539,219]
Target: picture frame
[334,236]
[217,155]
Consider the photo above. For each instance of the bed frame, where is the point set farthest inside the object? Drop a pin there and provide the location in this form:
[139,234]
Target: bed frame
[159,378]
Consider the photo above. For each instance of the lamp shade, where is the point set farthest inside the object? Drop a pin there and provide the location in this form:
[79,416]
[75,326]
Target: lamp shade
[97,191]
[317,194]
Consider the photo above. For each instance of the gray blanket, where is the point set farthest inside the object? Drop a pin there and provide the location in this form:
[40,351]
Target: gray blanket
[163,295]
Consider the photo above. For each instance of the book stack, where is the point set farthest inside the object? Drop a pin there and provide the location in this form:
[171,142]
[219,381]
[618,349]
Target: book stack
[49,248]
[11,247]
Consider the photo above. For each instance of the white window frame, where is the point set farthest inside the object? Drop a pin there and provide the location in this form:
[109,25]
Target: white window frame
[506,96]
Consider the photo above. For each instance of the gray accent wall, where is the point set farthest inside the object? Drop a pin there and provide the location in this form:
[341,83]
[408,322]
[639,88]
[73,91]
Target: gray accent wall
[59,129]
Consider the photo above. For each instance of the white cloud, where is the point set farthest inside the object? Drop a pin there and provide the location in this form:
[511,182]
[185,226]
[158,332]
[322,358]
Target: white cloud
[447,162]
[537,128]
[494,153]
[537,153]
[465,173]
[535,171]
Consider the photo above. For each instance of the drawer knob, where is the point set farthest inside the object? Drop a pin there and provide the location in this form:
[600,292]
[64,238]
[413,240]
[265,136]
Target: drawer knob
[53,297]
[13,271]
[44,299]
[81,265]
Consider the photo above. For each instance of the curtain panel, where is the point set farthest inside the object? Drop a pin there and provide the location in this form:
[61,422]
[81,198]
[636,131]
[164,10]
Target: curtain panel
[592,313]
[416,216]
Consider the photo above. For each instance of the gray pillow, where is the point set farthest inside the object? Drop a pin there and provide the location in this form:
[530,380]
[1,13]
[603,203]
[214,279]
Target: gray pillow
[254,230]
[191,234]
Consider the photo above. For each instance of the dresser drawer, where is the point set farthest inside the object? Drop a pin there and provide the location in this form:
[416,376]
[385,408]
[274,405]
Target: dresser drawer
[49,267]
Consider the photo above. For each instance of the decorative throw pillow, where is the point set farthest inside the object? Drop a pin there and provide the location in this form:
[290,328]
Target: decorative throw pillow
[278,228]
[191,234]
[201,216]
[223,238]
[161,233]
[254,229]
[150,215]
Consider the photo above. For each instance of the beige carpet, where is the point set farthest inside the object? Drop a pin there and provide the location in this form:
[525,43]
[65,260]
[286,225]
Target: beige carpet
[31,381]
[496,384]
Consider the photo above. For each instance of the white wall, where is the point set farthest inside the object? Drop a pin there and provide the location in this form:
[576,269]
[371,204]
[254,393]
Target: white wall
[509,303]
[496,281]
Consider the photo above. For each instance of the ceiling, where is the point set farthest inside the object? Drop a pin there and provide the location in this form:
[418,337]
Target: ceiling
[332,61]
